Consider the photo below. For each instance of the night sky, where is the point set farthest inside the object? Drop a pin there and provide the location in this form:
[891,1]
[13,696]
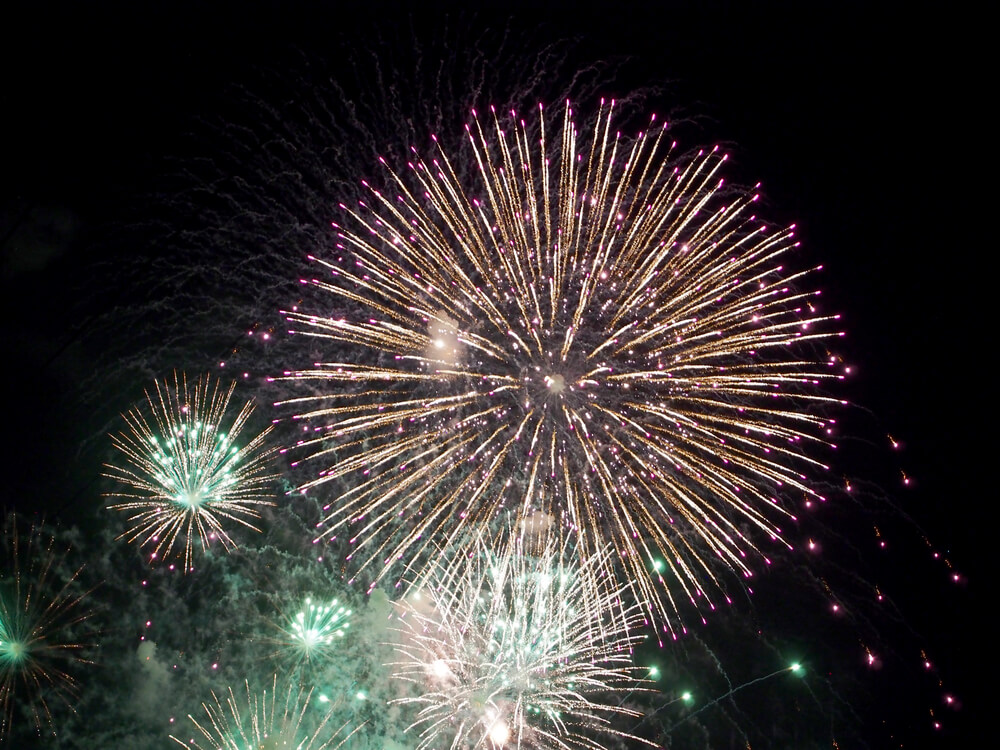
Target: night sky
[865,127]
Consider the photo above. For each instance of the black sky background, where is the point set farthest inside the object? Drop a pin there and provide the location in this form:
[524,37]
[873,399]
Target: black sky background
[865,126]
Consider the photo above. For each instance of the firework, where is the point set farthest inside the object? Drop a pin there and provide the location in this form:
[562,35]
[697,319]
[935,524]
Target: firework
[315,630]
[506,653]
[185,472]
[262,721]
[593,333]
[40,611]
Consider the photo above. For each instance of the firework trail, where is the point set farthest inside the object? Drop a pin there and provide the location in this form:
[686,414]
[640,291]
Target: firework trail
[587,333]
[40,609]
[184,470]
[263,722]
[506,653]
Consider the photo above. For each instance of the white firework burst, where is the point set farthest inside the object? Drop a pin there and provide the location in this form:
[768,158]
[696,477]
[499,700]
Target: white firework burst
[505,650]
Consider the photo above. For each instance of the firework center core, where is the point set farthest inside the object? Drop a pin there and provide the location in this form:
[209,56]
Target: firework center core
[192,498]
[556,383]
[13,650]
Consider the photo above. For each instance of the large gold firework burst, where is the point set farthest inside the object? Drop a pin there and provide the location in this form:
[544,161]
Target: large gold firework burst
[591,334]
[186,470]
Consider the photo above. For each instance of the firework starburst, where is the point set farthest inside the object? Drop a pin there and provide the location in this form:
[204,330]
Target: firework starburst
[314,630]
[264,720]
[594,332]
[186,468]
[40,611]
[505,650]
